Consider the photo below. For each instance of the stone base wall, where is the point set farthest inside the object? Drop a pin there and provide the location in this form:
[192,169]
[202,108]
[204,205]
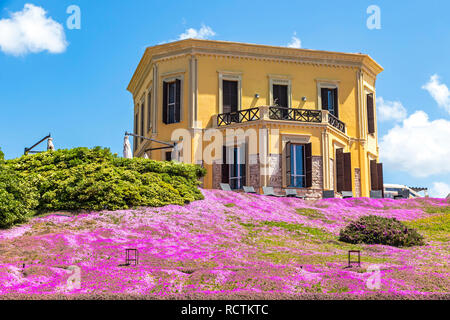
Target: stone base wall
[317,169]
[313,193]
[254,173]
[217,175]
[357,183]
[275,177]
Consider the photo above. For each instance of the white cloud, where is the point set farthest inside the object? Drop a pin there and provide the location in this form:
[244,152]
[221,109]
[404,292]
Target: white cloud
[440,190]
[439,92]
[418,146]
[204,32]
[295,42]
[390,110]
[31,31]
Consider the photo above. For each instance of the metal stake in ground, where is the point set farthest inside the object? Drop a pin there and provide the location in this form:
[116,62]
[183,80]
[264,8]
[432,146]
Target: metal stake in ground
[350,262]
[131,255]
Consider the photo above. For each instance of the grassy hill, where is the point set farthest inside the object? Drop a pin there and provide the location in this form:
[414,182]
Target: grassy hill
[229,245]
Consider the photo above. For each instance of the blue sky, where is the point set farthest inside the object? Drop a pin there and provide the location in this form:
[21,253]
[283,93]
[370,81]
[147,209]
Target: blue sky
[78,92]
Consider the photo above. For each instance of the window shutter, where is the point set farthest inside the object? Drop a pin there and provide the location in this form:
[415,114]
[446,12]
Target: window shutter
[324,95]
[135,131]
[226,99]
[178,100]
[347,172]
[142,120]
[243,157]
[380,178]
[370,114]
[336,102]
[340,170]
[288,163]
[275,95]
[149,110]
[308,165]
[225,167]
[374,175]
[229,96]
[164,111]
[234,96]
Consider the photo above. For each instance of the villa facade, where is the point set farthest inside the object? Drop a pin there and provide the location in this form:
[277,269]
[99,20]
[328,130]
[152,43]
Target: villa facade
[301,119]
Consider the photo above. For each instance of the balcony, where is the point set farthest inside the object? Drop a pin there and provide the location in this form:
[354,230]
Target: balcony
[240,116]
[335,122]
[279,113]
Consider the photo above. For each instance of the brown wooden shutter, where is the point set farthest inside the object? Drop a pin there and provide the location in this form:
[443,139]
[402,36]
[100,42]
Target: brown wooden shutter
[336,103]
[229,96]
[142,120]
[308,165]
[340,171]
[136,121]
[348,172]
[380,178]
[149,110]
[243,164]
[164,106]
[226,99]
[373,175]
[324,95]
[288,163]
[177,100]
[370,114]
[225,166]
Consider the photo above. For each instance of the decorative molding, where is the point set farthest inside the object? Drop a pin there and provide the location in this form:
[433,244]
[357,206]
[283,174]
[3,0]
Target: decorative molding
[280,80]
[155,99]
[293,138]
[250,51]
[330,84]
[149,106]
[231,76]
[173,73]
[367,90]
[170,77]
[230,72]
[279,76]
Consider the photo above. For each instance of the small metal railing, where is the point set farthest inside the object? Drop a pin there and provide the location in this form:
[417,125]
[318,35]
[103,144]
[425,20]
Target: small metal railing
[239,116]
[293,114]
[335,122]
[279,113]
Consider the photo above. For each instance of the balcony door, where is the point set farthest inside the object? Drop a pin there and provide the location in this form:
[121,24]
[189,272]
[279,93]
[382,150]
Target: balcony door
[234,166]
[230,96]
[280,98]
[330,100]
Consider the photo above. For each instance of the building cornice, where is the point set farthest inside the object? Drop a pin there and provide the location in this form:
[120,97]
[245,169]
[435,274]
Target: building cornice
[249,51]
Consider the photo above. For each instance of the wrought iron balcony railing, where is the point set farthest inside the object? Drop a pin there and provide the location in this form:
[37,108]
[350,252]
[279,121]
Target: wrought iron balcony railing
[335,122]
[279,113]
[292,114]
[225,119]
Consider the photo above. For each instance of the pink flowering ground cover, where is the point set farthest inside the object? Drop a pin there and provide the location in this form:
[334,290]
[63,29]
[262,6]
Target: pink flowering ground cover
[229,245]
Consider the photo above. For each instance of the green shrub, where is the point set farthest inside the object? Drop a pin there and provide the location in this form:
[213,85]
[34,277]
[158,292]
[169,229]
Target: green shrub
[95,179]
[2,155]
[18,198]
[379,230]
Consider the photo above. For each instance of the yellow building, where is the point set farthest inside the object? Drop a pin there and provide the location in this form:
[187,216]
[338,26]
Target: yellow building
[309,116]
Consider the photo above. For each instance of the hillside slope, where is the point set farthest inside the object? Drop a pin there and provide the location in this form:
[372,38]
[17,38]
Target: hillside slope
[229,245]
